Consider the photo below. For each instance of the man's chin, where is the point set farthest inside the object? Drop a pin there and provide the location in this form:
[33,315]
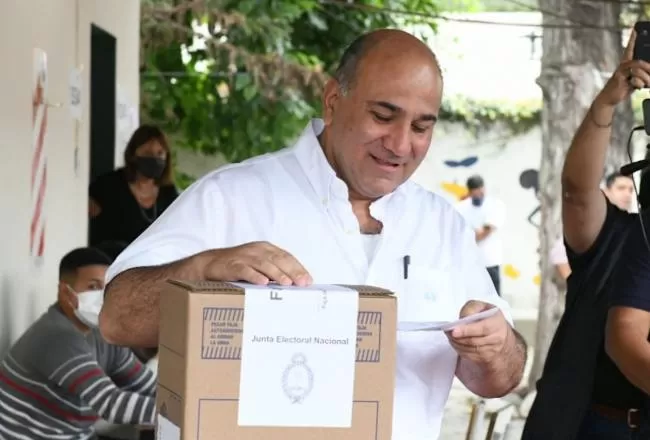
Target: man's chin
[624,206]
[378,191]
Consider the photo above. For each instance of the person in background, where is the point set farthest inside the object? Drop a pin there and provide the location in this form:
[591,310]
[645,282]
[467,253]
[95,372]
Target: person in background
[628,320]
[628,325]
[124,202]
[559,260]
[61,377]
[619,189]
[486,215]
[581,393]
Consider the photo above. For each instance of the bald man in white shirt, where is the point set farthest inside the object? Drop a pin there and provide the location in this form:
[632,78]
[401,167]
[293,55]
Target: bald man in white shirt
[338,207]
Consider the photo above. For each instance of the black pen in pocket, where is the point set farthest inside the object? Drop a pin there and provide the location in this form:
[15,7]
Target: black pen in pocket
[406,262]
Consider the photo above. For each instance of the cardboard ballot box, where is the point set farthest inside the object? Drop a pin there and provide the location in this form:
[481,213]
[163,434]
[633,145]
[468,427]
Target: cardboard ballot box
[243,362]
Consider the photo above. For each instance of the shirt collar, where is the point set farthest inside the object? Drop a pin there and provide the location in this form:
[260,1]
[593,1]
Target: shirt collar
[311,158]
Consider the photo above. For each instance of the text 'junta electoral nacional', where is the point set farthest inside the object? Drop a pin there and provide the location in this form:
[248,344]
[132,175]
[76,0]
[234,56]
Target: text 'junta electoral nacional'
[299,340]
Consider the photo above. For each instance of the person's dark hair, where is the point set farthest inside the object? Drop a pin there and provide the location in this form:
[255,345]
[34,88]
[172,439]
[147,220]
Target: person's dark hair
[475,182]
[143,134]
[611,178]
[112,248]
[81,257]
[349,62]
[348,65]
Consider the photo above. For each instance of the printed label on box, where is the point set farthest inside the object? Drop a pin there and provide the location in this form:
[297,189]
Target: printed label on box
[223,328]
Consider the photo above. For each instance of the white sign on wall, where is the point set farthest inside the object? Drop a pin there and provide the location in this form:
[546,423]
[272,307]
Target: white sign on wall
[74,94]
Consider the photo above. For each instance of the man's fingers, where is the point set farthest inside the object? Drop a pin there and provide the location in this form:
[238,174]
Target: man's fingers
[637,83]
[291,267]
[286,262]
[470,344]
[473,330]
[629,49]
[246,273]
[258,263]
[643,65]
[472,307]
[273,272]
[639,77]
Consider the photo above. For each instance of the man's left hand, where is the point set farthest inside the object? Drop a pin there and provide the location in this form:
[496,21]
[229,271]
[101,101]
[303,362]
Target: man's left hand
[480,341]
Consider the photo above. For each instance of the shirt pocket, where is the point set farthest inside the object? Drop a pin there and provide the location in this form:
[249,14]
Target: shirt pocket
[429,295]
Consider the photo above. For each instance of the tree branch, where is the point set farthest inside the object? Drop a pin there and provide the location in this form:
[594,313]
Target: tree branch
[273,74]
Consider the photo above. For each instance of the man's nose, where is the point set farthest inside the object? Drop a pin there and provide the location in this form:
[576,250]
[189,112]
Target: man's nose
[400,140]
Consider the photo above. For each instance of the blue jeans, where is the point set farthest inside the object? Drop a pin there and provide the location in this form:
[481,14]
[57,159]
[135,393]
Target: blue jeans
[597,427]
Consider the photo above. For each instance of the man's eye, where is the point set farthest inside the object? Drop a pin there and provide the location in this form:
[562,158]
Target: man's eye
[419,129]
[381,118]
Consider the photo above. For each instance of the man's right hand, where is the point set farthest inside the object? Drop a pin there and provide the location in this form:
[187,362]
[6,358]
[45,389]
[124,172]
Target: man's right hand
[630,75]
[257,263]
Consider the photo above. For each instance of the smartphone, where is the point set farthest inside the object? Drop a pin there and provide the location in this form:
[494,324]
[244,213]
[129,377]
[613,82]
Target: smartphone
[642,41]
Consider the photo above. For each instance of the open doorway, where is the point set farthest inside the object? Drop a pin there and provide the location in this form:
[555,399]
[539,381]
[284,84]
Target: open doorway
[103,62]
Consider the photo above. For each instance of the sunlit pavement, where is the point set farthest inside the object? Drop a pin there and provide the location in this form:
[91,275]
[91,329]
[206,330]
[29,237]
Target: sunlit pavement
[459,407]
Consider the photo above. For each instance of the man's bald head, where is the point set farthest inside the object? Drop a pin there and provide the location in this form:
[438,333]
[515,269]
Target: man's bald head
[382,41]
[379,112]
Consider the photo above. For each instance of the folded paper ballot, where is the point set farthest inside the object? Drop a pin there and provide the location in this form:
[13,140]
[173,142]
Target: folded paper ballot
[444,325]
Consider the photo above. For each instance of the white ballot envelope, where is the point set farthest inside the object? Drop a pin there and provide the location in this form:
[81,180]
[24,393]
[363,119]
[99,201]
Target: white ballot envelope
[406,326]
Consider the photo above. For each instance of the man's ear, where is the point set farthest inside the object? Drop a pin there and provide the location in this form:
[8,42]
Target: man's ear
[331,96]
[65,296]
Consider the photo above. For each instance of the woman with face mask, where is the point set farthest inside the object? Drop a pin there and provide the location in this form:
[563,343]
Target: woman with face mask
[124,202]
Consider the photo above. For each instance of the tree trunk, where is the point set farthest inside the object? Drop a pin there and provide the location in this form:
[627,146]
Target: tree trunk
[576,59]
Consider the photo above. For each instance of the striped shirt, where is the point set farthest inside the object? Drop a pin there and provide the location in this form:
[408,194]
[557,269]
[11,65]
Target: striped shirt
[56,382]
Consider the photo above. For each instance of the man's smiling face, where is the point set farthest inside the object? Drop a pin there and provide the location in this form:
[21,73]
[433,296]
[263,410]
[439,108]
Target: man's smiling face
[378,133]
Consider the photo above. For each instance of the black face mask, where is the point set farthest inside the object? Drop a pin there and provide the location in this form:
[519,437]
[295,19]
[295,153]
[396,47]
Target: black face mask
[150,167]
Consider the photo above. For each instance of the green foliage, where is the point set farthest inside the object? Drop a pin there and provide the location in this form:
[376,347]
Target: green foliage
[514,117]
[254,84]
[488,5]
[637,105]
[183,180]
[479,116]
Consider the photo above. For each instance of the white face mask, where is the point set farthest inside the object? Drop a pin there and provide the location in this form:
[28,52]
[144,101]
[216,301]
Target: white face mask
[90,304]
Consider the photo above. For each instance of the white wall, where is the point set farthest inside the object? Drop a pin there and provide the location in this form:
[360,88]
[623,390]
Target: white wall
[62,29]
[501,159]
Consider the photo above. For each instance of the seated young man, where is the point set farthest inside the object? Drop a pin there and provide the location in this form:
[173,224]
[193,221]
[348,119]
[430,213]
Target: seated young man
[60,377]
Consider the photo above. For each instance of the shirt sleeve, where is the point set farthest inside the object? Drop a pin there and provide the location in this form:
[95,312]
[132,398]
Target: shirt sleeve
[67,360]
[129,374]
[477,281]
[632,277]
[580,262]
[195,223]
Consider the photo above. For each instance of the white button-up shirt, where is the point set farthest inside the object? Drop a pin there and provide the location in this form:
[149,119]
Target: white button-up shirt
[492,212]
[294,200]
